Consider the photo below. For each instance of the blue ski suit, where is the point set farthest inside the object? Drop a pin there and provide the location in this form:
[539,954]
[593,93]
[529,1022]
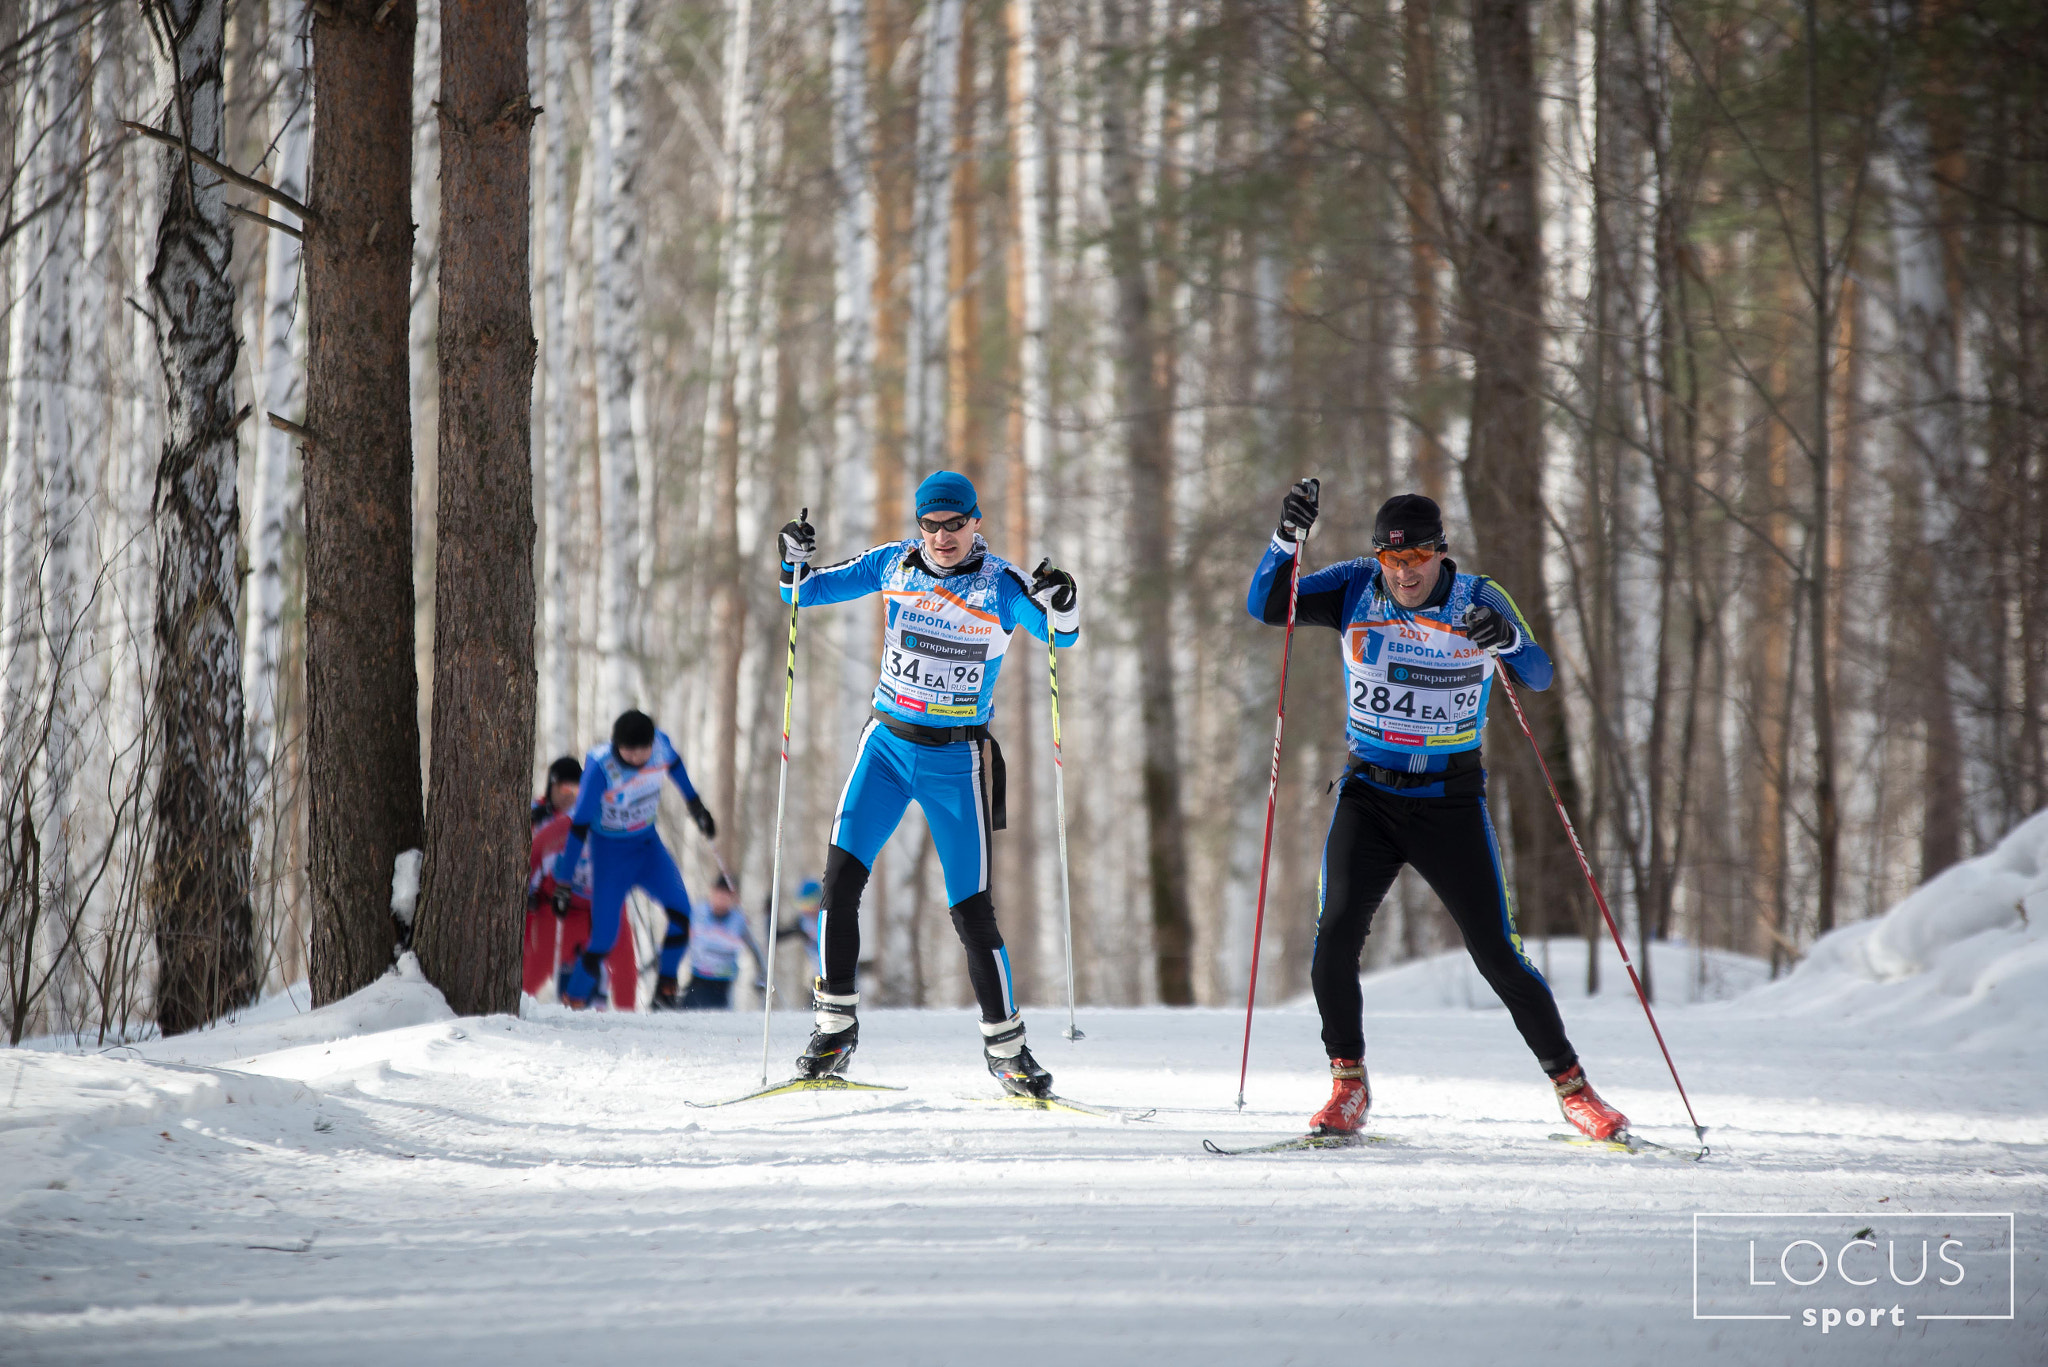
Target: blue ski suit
[1414,791]
[615,810]
[945,635]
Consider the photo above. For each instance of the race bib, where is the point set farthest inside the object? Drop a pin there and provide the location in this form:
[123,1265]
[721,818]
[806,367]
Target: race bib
[1414,682]
[936,655]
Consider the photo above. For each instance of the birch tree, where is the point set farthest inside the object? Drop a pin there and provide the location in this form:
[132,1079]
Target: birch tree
[557,703]
[205,943]
[924,375]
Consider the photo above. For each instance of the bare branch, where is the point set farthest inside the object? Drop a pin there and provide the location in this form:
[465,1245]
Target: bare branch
[226,172]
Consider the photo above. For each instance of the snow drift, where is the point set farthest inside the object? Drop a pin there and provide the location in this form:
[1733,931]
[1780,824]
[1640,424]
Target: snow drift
[1680,972]
[1962,960]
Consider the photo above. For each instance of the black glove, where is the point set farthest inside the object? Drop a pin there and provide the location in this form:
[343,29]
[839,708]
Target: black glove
[798,542]
[562,895]
[702,816]
[1489,630]
[1298,511]
[1059,582]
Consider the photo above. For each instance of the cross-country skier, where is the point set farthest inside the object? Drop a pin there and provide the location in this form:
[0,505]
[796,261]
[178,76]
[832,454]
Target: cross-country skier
[718,932]
[558,929]
[1420,644]
[951,607]
[620,791]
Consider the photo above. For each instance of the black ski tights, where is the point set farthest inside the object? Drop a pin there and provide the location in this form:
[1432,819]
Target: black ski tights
[1450,842]
[846,879]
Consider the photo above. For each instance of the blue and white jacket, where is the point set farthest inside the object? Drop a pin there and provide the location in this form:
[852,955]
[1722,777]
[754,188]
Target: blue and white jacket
[618,801]
[1416,686]
[945,632]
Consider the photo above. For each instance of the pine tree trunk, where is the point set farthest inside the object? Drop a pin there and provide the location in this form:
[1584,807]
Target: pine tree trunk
[1503,301]
[471,890]
[363,743]
[1149,455]
[206,961]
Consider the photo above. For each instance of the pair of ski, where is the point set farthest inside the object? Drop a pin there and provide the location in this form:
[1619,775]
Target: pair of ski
[1625,1143]
[840,1084]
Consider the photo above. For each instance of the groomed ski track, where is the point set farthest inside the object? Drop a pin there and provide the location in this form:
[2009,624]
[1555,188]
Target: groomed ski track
[535,1191]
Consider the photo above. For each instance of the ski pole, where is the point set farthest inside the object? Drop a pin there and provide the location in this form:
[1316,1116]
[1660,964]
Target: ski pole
[1251,992]
[1059,802]
[796,585]
[1699,1130]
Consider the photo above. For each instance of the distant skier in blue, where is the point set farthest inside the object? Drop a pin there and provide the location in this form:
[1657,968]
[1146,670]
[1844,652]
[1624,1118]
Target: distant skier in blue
[718,932]
[615,807]
[952,606]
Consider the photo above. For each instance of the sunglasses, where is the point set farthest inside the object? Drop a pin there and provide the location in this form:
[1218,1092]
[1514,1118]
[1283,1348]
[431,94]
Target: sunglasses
[1412,555]
[951,524]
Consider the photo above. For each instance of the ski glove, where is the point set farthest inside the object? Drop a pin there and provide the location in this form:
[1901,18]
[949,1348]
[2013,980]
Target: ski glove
[701,814]
[1298,511]
[1489,630]
[561,899]
[799,543]
[1055,591]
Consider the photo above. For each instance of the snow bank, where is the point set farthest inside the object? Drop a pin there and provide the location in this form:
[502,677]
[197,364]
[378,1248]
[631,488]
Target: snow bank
[1679,973]
[402,997]
[1962,960]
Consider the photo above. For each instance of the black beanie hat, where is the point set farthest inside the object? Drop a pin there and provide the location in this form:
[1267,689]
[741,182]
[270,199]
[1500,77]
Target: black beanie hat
[631,731]
[1407,520]
[567,769]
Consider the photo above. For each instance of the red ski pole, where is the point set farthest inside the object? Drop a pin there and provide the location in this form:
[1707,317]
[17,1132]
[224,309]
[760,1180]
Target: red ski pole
[1272,794]
[1699,1130]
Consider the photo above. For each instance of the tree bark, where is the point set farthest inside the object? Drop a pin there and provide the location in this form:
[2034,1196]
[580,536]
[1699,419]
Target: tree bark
[1503,475]
[931,251]
[474,877]
[363,742]
[199,879]
[1149,453]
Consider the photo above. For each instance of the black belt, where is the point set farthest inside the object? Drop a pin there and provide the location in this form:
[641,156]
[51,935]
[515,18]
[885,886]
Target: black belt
[998,807]
[1458,765]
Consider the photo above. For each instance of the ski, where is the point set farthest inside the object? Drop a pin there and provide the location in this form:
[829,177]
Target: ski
[1632,1144]
[799,1084]
[1303,1141]
[1060,1103]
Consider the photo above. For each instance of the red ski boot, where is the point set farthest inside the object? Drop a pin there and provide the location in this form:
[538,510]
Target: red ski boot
[1344,1112]
[1584,1108]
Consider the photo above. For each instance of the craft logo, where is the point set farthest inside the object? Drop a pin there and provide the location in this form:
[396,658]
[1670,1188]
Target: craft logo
[1831,1273]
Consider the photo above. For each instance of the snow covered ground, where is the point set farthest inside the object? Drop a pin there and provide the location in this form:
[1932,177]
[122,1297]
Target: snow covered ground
[381,1181]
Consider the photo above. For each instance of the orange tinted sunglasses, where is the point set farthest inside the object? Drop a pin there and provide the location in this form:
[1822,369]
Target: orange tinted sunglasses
[1411,555]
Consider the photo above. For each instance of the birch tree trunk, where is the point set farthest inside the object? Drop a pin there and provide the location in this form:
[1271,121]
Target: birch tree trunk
[615,39]
[557,710]
[363,744]
[200,877]
[282,391]
[924,376]
[472,885]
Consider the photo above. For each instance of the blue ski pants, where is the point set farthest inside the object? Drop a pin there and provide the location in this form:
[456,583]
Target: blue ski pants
[618,864]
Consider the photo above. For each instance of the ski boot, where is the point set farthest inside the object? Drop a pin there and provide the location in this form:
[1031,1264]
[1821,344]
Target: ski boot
[1009,1062]
[666,997]
[835,1035]
[1344,1112]
[1584,1108]
[580,985]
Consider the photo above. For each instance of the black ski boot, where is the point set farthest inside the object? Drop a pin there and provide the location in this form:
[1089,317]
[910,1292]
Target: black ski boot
[1010,1062]
[666,998]
[836,1035]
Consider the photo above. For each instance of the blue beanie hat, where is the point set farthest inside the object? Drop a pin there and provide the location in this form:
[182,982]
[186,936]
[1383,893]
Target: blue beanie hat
[947,492]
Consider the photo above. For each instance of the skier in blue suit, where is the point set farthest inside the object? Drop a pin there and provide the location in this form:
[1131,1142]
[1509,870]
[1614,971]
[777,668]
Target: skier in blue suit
[615,807]
[952,606]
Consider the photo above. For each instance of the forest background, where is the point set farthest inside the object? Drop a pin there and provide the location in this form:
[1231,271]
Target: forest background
[1716,328]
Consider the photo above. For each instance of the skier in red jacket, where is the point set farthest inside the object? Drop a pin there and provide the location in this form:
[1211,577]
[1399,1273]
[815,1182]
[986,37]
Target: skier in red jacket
[553,941]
